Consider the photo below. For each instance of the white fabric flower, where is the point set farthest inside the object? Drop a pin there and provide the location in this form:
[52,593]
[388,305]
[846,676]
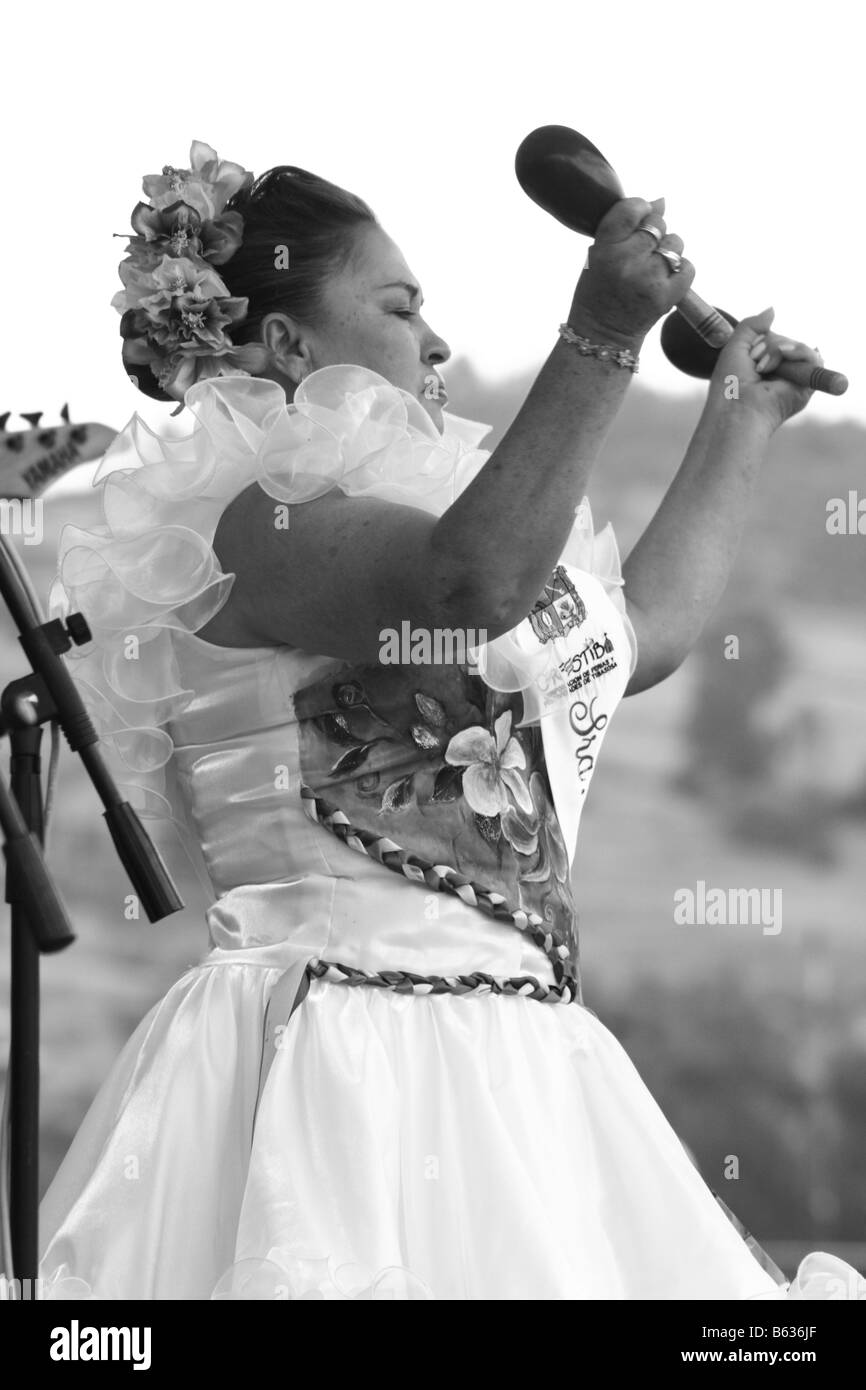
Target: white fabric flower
[491,762]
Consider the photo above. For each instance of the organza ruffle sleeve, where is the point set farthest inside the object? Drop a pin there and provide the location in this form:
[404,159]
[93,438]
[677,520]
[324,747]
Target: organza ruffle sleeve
[147,574]
[147,577]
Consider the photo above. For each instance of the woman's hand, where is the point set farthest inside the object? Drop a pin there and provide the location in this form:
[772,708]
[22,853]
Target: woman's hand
[627,286]
[750,357]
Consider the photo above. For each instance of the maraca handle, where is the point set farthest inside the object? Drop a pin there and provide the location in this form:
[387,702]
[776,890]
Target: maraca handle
[704,319]
[715,330]
[816,378]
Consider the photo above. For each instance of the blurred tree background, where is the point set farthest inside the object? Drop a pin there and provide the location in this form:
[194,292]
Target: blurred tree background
[743,773]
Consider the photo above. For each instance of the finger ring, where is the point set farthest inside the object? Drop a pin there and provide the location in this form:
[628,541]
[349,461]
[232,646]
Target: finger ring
[653,231]
[673,258]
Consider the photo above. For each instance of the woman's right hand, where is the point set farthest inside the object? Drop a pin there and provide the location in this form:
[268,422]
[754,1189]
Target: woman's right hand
[626,286]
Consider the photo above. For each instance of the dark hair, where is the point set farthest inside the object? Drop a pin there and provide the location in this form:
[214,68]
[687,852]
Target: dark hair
[313,221]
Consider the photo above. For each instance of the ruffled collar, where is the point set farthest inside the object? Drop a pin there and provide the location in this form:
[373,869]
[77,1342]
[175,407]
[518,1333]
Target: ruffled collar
[347,427]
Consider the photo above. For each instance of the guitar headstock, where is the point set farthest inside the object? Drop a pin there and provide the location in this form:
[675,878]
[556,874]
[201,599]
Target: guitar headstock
[31,459]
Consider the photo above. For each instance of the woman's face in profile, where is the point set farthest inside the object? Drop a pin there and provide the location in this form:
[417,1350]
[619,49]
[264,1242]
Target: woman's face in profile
[371,317]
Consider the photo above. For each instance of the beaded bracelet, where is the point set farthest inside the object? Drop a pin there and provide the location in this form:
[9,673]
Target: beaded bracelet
[623,357]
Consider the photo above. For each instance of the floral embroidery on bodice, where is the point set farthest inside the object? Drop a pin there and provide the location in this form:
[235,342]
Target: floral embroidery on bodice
[432,758]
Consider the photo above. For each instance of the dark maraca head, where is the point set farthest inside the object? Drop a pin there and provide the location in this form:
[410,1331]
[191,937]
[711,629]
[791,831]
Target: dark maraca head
[566,175]
[686,349]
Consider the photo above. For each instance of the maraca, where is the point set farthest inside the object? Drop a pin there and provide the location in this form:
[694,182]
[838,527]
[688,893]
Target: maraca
[567,176]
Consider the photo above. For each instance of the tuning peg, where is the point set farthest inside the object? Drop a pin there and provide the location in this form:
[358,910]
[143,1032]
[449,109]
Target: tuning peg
[33,418]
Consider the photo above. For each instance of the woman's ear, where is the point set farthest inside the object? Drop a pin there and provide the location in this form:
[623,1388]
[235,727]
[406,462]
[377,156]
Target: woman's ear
[287,347]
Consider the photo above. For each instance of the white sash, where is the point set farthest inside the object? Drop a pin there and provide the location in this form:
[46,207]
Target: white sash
[582,674]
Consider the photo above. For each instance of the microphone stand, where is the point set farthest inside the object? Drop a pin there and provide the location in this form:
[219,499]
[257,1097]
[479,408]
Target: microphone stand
[38,919]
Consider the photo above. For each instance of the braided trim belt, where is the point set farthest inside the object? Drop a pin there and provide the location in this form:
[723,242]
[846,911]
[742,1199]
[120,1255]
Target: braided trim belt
[441,878]
[403,982]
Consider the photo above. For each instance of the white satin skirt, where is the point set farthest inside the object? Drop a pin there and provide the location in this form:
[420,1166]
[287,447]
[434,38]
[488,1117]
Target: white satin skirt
[402,1146]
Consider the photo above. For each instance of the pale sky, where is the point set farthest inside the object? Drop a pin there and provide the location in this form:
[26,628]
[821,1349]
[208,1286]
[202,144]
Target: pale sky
[747,117]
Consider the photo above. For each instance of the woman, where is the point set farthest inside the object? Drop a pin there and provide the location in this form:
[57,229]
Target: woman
[382,1081]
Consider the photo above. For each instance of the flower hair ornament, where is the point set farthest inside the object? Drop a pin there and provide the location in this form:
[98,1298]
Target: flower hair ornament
[176,311]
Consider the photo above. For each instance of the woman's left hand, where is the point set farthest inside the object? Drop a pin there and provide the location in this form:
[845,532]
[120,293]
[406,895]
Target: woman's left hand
[751,356]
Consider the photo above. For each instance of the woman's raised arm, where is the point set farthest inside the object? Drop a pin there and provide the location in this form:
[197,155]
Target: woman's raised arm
[345,569]
[678,570]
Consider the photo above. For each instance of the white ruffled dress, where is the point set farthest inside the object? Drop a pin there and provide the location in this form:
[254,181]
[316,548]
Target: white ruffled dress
[381,1080]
